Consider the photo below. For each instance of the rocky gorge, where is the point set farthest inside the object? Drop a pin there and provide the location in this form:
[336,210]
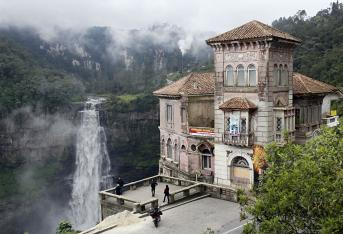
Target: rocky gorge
[38,159]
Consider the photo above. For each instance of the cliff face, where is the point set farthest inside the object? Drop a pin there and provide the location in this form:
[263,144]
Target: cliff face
[37,158]
[132,140]
[36,161]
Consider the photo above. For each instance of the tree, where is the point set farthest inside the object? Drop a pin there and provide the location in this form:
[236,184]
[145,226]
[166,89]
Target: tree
[65,227]
[301,191]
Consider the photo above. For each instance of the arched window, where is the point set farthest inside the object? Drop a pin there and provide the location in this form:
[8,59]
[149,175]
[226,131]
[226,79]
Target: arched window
[162,147]
[206,159]
[279,75]
[240,75]
[252,75]
[284,75]
[240,162]
[176,158]
[169,149]
[229,81]
[275,74]
[183,147]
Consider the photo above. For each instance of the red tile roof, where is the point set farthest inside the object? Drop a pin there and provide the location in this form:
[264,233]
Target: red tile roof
[252,30]
[238,103]
[193,84]
[304,85]
[203,84]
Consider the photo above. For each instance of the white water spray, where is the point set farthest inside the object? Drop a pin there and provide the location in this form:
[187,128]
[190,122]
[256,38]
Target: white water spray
[92,168]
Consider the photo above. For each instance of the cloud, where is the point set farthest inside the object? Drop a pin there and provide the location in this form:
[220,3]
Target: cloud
[193,15]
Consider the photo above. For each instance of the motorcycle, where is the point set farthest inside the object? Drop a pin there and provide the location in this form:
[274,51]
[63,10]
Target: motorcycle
[155,214]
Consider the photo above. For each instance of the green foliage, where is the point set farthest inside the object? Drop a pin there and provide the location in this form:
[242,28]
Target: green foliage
[338,106]
[65,227]
[209,231]
[320,54]
[136,136]
[8,183]
[23,82]
[301,191]
[28,182]
[132,103]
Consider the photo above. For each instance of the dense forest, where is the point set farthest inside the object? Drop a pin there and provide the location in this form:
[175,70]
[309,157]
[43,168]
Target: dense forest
[24,82]
[320,54]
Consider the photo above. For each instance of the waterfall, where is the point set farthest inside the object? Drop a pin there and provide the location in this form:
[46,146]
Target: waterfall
[92,168]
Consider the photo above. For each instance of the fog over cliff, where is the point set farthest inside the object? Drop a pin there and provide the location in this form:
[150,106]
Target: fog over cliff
[193,15]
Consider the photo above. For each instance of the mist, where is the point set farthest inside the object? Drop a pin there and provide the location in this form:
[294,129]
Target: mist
[193,15]
[43,148]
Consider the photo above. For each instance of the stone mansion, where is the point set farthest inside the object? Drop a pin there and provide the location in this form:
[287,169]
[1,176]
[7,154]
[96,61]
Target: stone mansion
[213,125]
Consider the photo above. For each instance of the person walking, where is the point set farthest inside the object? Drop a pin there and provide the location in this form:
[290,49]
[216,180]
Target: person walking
[166,193]
[153,187]
[120,182]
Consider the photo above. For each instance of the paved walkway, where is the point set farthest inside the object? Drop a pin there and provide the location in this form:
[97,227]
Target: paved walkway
[191,218]
[144,193]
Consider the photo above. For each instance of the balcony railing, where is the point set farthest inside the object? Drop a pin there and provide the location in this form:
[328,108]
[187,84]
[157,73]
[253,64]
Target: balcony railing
[240,139]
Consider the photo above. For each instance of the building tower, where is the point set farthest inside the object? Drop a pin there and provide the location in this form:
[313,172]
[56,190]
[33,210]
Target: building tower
[253,98]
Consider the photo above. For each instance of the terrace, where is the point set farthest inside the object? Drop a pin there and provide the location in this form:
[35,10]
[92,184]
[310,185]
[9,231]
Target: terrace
[137,196]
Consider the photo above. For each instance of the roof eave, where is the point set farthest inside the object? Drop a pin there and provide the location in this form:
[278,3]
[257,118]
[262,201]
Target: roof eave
[247,109]
[167,95]
[267,38]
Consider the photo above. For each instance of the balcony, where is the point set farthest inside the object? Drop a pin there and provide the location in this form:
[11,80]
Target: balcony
[331,121]
[240,139]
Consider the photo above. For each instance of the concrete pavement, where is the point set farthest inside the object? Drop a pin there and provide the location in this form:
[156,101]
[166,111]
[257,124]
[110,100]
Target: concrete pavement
[194,217]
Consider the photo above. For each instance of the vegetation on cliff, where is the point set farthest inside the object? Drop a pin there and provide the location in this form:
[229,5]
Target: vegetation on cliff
[23,82]
[132,134]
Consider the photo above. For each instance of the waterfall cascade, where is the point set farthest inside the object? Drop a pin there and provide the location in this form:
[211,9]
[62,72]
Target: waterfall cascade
[92,168]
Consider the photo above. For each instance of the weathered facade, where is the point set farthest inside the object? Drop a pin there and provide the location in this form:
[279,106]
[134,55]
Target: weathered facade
[186,127]
[256,99]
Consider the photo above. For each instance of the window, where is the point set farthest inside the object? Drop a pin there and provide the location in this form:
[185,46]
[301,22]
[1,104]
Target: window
[162,147]
[302,115]
[175,153]
[310,114]
[315,113]
[229,81]
[252,75]
[206,159]
[193,148]
[228,124]
[240,75]
[183,115]
[279,75]
[169,113]
[243,125]
[284,76]
[169,148]
[278,124]
[206,162]
[234,125]
[275,74]
[297,116]
[240,162]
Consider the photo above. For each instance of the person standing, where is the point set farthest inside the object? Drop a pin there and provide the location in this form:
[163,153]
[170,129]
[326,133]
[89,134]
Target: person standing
[153,187]
[120,182]
[166,193]
[118,190]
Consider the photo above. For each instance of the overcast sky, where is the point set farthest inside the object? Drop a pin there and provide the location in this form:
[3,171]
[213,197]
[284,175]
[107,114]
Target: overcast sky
[194,15]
